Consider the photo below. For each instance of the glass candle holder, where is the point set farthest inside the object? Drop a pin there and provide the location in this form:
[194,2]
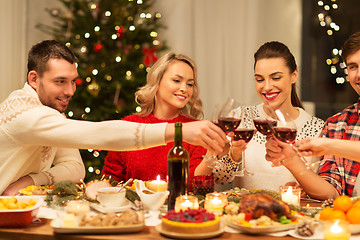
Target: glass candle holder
[336,230]
[290,195]
[157,185]
[185,202]
[203,184]
[215,202]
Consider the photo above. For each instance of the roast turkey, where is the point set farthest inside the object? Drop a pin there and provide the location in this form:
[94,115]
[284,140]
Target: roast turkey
[264,204]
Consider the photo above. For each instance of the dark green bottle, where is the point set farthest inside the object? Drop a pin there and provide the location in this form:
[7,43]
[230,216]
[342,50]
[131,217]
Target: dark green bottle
[178,168]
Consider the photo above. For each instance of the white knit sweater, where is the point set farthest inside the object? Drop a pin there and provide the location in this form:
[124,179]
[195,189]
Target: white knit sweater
[39,141]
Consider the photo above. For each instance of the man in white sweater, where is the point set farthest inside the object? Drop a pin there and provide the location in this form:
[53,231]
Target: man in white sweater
[39,145]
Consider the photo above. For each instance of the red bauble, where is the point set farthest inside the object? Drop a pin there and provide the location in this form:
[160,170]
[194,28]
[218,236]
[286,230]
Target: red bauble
[79,82]
[98,47]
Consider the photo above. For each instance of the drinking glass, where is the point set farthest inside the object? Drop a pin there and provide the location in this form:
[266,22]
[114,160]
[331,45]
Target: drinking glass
[229,116]
[245,131]
[285,131]
[212,160]
[265,124]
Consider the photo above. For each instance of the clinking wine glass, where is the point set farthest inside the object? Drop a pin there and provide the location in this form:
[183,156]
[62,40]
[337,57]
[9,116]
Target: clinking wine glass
[285,131]
[229,116]
[265,123]
[245,131]
[212,160]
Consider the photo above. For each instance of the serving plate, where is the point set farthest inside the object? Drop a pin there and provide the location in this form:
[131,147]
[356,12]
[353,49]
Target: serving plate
[58,227]
[189,235]
[20,217]
[104,209]
[261,230]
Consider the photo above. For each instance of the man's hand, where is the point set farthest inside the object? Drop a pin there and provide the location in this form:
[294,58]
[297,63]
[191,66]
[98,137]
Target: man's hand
[14,187]
[204,133]
[312,146]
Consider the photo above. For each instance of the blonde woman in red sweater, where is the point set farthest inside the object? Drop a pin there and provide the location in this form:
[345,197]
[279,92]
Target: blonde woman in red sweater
[171,94]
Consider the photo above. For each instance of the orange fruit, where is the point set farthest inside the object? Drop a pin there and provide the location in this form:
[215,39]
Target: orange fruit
[343,203]
[353,215]
[356,204]
[337,214]
[325,213]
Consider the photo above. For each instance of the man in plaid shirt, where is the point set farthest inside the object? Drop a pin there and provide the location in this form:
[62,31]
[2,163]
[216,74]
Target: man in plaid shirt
[336,175]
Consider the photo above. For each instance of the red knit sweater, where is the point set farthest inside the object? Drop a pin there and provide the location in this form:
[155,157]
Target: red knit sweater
[148,163]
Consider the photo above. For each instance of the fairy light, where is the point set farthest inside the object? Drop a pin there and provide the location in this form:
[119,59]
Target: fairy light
[95,71]
[87,35]
[118,59]
[132,28]
[107,13]
[96,28]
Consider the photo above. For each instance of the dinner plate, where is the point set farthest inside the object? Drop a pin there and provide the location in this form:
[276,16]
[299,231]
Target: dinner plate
[57,225]
[261,230]
[189,235]
[104,209]
[355,228]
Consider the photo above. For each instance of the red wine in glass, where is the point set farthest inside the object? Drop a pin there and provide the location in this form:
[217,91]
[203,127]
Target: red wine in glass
[243,134]
[264,125]
[285,134]
[228,124]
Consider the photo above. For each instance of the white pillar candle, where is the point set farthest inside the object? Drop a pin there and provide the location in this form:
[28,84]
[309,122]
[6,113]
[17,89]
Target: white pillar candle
[157,185]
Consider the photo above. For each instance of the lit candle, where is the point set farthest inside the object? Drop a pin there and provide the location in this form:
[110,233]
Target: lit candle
[184,202]
[215,202]
[336,230]
[290,195]
[157,185]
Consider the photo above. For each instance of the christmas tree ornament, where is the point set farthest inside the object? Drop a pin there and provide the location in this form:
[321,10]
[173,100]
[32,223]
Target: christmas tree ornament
[94,89]
[79,82]
[120,31]
[149,57]
[97,47]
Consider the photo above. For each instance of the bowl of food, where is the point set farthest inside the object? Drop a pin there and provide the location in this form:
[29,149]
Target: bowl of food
[19,211]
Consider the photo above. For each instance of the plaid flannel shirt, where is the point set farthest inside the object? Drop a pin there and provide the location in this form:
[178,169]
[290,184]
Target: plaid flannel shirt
[342,172]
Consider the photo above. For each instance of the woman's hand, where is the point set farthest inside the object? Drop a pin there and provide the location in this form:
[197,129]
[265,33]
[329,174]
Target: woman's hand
[237,148]
[280,153]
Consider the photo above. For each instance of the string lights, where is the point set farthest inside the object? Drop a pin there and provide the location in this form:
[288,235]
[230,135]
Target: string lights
[336,66]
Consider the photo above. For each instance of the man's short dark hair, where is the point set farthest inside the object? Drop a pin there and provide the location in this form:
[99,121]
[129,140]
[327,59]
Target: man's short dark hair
[42,52]
[351,45]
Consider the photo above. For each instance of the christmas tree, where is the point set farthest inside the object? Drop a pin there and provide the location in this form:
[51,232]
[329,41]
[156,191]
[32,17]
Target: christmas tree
[115,43]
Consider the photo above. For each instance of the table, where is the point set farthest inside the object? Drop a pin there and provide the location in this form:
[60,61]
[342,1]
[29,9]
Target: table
[43,231]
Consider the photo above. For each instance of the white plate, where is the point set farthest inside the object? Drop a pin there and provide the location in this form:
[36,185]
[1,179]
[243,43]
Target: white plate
[57,225]
[260,230]
[355,228]
[104,209]
[189,235]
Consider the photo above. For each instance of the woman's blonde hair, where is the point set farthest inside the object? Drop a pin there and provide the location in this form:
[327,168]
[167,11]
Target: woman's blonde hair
[145,96]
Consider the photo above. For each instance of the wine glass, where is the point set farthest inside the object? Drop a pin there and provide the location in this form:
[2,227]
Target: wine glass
[229,116]
[245,131]
[212,160]
[265,123]
[285,131]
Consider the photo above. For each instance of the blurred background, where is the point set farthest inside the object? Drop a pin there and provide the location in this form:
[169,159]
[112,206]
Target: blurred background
[117,41]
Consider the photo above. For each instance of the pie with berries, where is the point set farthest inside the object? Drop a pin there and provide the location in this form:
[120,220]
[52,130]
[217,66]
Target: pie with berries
[190,221]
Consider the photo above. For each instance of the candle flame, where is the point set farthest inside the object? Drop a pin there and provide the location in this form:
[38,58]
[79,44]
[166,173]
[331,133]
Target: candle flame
[289,191]
[336,228]
[158,178]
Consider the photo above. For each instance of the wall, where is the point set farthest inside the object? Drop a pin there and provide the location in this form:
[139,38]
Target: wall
[220,35]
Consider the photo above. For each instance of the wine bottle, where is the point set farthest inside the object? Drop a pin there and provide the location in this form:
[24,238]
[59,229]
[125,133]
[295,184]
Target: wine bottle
[178,168]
